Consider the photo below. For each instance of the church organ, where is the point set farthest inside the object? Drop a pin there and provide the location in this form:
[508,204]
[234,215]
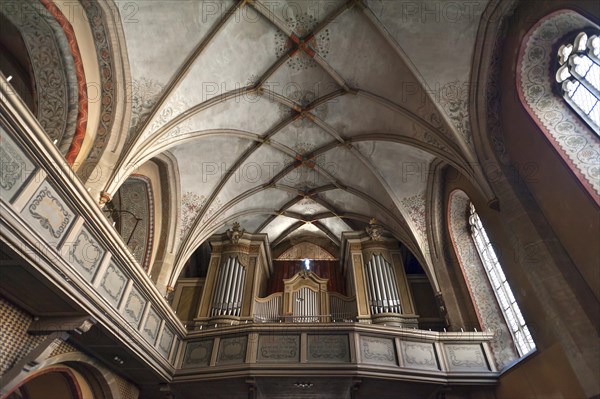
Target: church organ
[368,285]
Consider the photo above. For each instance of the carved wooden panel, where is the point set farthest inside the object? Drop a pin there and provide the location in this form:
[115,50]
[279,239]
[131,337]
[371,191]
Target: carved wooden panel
[166,342]
[134,307]
[278,348]
[15,167]
[48,214]
[328,348]
[197,354]
[232,350]
[112,284]
[150,330]
[378,350]
[85,254]
[419,355]
[466,357]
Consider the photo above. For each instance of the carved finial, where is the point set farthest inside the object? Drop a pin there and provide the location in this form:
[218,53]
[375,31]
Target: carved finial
[235,233]
[374,230]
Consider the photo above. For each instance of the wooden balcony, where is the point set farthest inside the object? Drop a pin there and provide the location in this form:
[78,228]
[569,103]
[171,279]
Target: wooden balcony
[337,349]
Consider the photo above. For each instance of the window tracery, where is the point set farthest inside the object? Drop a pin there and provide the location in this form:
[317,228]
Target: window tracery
[568,129]
[579,76]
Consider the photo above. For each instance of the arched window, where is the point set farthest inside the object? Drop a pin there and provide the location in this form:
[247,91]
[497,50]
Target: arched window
[486,306]
[508,304]
[579,76]
[567,113]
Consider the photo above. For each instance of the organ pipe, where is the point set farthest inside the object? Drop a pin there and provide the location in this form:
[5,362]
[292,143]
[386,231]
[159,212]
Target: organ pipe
[379,288]
[228,286]
[371,287]
[231,304]
[396,292]
[382,289]
[223,288]
[217,293]
[389,283]
[305,306]
[384,284]
[229,289]
[237,299]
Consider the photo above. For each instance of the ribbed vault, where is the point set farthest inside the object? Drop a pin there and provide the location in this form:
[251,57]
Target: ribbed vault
[291,118]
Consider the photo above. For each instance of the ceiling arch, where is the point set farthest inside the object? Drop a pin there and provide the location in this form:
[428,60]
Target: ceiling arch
[289,119]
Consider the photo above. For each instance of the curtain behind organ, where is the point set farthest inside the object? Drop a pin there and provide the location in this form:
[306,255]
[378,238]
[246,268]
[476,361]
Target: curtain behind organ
[329,269]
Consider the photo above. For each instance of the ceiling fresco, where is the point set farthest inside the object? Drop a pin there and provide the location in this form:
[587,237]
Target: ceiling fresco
[300,117]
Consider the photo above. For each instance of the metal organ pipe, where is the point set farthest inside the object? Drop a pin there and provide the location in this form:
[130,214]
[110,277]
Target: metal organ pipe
[222,284]
[311,310]
[234,287]
[270,310]
[382,283]
[240,290]
[391,277]
[371,287]
[223,288]
[388,283]
[382,288]
[217,292]
[378,287]
[237,300]
[296,305]
[371,273]
[385,284]
[376,297]
[307,303]
[314,311]
[228,283]
[229,288]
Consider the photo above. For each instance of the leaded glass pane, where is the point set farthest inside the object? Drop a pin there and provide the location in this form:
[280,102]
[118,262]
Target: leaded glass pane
[504,295]
[579,76]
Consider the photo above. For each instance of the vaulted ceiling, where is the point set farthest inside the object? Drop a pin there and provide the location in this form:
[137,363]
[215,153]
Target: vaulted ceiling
[301,117]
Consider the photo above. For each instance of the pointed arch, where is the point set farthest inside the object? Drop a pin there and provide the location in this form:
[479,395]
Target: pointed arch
[538,66]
